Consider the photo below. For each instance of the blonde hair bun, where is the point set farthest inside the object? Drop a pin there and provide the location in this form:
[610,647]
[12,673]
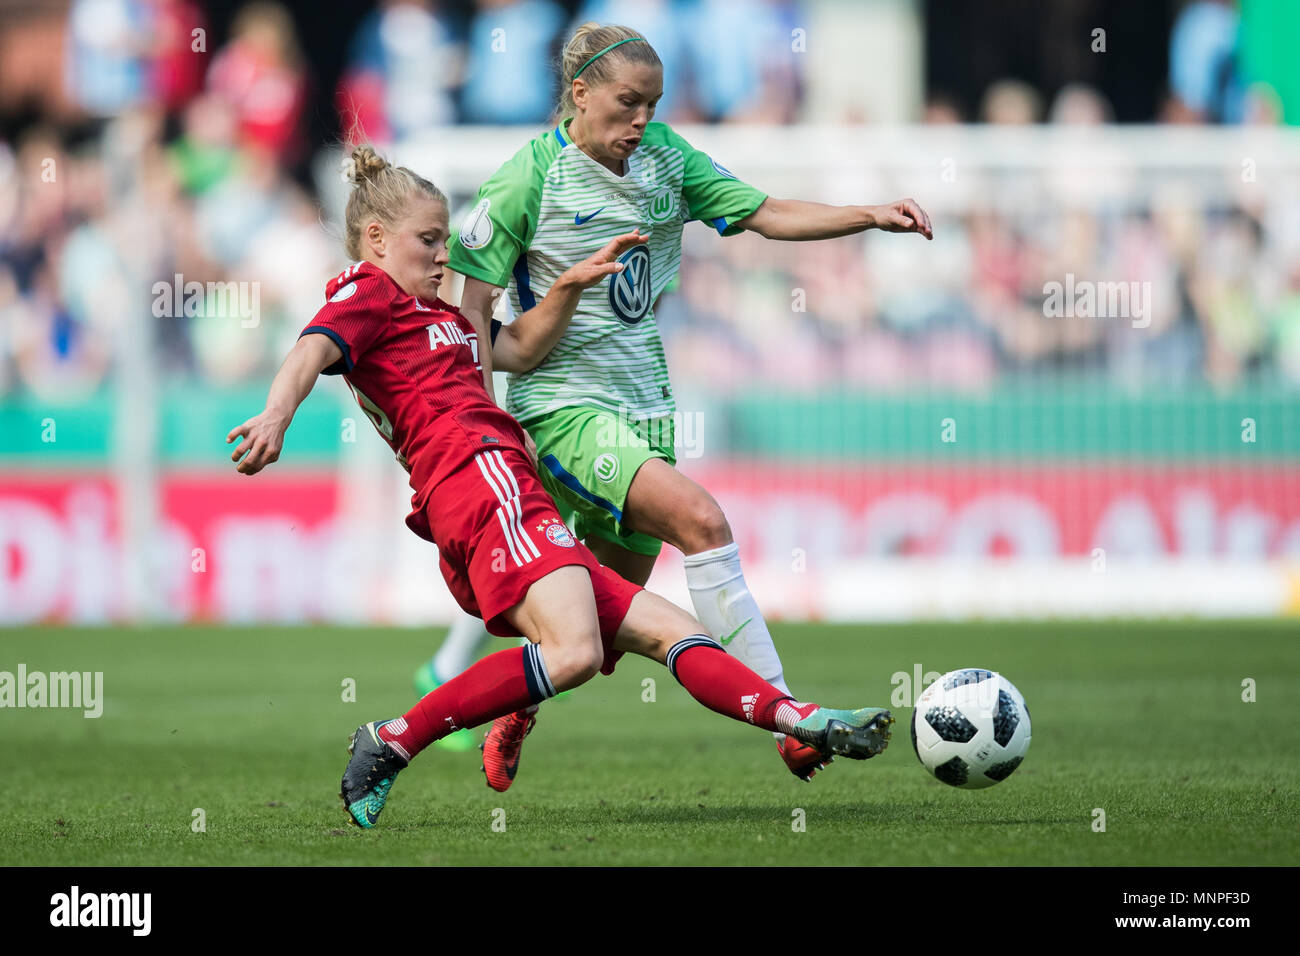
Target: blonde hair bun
[380,191]
[364,164]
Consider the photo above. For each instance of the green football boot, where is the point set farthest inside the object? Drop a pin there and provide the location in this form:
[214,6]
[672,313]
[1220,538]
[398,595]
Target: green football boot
[856,734]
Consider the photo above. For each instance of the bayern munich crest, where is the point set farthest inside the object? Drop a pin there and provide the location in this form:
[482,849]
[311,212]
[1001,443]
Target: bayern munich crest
[629,290]
[557,533]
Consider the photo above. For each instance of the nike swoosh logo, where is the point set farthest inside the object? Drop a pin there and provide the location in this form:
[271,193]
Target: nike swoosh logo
[724,641]
[579,219]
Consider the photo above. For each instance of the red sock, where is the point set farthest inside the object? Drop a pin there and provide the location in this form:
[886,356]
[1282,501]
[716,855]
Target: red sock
[499,684]
[722,683]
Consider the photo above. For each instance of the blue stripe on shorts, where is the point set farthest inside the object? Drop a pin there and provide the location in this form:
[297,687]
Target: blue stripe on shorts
[573,484]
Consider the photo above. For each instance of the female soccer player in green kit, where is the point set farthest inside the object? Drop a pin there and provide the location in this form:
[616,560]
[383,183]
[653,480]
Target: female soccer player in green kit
[598,403]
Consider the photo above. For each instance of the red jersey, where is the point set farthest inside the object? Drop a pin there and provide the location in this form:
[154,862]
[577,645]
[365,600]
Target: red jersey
[415,371]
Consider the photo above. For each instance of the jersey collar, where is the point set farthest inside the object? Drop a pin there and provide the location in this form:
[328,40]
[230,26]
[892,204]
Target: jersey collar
[562,132]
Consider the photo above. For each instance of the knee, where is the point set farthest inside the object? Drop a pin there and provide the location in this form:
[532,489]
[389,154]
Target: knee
[705,526]
[574,662]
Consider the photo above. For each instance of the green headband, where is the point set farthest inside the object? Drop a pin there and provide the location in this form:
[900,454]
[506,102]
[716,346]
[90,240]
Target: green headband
[603,52]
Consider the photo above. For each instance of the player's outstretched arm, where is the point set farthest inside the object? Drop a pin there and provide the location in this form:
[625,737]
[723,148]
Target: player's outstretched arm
[527,340]
[263,435]
[796,219]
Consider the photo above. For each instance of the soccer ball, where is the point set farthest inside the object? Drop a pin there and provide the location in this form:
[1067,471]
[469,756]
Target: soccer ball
[970,728]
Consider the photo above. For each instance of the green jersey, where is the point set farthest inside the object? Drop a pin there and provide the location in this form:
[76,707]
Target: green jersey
[551,206]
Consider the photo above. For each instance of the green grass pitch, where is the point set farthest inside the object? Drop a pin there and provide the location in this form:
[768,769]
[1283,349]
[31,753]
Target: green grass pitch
[1144,721]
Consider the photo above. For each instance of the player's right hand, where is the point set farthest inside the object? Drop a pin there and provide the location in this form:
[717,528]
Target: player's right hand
[263,437]
[604,263]
[905,215]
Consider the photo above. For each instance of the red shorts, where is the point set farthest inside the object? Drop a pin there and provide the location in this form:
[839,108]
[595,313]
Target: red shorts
[498,531]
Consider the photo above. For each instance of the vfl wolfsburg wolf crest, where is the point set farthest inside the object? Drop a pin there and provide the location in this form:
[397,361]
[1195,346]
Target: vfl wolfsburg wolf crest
[662,205]
[629,290]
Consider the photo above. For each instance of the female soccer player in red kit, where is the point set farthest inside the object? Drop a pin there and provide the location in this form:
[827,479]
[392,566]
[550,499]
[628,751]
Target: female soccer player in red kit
[412,361]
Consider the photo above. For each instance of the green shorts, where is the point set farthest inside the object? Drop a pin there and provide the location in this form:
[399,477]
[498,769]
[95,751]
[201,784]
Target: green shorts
[587,458]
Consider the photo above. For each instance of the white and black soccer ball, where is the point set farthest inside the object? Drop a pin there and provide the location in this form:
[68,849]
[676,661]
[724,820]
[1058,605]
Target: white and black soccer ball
[970,728]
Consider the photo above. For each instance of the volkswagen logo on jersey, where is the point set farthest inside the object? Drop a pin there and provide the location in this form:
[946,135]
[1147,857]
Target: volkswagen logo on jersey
[476,230]
[629,290]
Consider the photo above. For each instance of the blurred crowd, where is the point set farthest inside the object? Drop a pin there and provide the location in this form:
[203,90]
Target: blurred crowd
[1208,298]
[171,163]
[413,65]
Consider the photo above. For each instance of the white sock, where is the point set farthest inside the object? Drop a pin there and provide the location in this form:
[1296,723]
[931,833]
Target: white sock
[460,647]
[724,605]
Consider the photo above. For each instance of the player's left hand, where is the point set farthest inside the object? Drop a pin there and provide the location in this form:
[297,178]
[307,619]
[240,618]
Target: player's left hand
[531,447]
[902,216]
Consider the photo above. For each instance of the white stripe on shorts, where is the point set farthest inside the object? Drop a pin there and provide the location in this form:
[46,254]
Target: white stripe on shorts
[499,467]
[507,527]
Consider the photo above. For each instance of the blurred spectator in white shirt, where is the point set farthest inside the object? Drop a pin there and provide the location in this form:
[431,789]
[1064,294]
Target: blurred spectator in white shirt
[108,42]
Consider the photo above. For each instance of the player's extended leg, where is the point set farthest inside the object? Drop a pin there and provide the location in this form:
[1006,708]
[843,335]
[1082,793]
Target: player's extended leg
[657,629]
[665,504]
[558,612]
[461,646]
